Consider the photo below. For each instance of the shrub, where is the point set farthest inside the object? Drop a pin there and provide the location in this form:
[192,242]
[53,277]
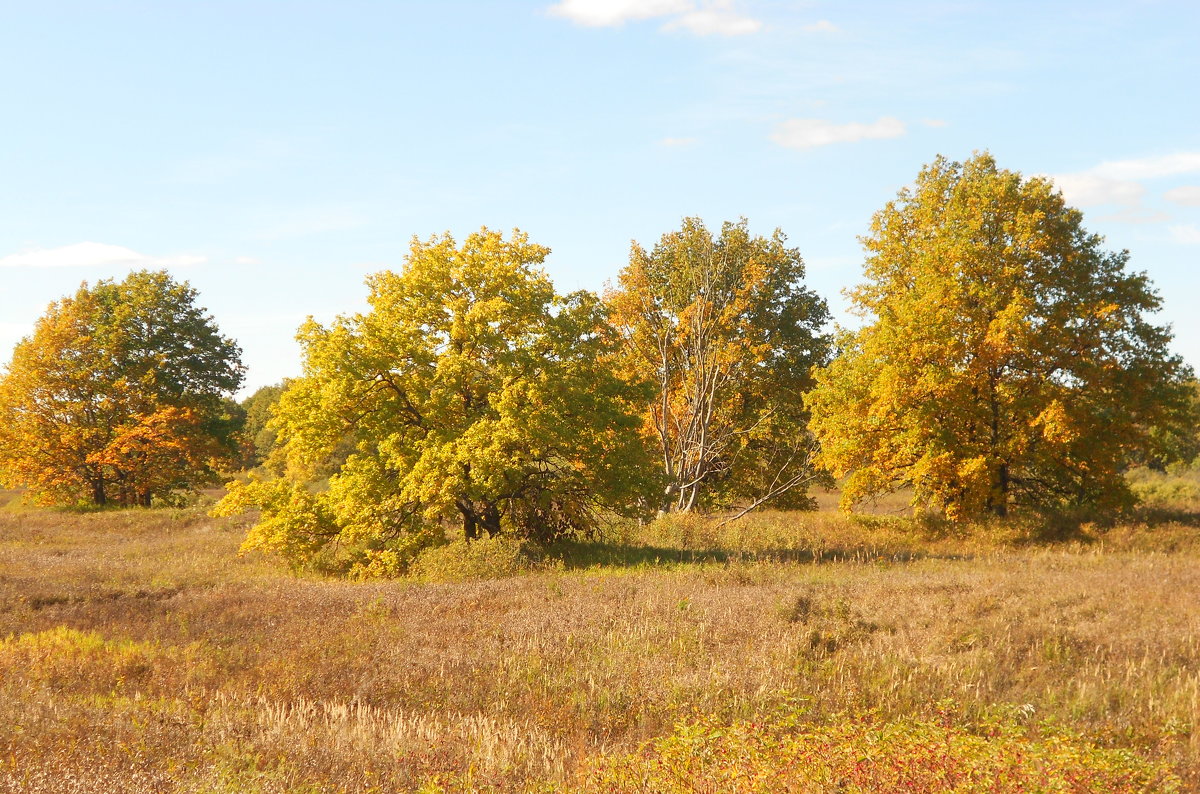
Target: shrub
[492,557]
[1156,488]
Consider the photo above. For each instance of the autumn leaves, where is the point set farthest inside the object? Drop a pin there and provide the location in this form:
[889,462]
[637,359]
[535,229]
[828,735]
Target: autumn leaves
[1004,362]
[119,396]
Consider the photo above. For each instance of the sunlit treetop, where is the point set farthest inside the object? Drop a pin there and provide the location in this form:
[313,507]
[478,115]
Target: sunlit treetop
[1007,357]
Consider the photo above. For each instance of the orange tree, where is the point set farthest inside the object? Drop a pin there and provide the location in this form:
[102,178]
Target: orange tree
[1006,357]
[118,395]
[725,333]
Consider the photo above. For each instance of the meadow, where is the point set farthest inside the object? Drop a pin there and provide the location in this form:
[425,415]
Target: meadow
[785,652]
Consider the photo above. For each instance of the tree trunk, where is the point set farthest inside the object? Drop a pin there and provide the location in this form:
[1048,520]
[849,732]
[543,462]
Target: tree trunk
[491,519]
[475,521]
[1000,507]
[98,495]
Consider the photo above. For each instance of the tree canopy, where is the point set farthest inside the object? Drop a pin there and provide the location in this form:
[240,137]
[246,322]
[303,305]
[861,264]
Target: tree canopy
[257,436]
[470,393]
[1006,359]
[726,335]
[118,395]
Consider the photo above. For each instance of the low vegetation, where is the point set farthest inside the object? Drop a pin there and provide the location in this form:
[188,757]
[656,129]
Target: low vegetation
[788,651]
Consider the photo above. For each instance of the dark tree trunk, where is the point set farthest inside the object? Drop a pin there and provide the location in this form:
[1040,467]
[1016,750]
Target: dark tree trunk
[491,520]
[476,521]
[1000,507]
[144,499]
[98,495]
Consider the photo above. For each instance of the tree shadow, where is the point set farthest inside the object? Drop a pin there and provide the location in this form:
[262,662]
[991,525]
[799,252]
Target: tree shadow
[580,555]
[1167,515]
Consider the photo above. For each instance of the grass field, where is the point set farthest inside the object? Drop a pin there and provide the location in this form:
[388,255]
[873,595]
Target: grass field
[788,652]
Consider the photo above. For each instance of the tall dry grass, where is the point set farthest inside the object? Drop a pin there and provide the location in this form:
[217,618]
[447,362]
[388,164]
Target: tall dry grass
[143,654]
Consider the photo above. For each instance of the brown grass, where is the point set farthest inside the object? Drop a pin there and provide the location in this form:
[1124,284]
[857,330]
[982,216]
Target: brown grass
[144,655]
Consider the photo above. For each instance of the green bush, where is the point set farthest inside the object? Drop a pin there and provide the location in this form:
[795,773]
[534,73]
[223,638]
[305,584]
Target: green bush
[1175,488]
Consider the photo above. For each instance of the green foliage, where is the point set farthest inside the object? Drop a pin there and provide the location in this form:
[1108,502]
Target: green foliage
[258,436]
[725,334]
[859,755]
[470,393]
[119,394]
[1177,488]
[1006,359]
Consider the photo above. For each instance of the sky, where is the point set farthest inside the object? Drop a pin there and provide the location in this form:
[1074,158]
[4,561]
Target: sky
[273,153]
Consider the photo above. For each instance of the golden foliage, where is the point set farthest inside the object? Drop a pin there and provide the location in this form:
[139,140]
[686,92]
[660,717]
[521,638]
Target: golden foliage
[117,395]
[1006,358]
[470,393]
[726,335]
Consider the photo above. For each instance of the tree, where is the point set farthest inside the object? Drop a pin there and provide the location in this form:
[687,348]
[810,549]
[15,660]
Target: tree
[727,336]
[1006,358]
[471,393]
[258,437]
[118,395]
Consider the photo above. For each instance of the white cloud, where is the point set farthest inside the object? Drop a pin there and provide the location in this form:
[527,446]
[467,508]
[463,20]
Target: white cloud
[1087,189]
[677,142]
[718,21]
[607,13]
[821,26]
[1120,181]
[1138,215]
[94,255]
[1188,234]
[935,122]
[245,260]
[1150,167]
[808,133]
[1188,195]
[706,18]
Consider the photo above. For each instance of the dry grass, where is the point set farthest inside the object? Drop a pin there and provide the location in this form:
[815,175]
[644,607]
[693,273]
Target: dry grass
[144,655]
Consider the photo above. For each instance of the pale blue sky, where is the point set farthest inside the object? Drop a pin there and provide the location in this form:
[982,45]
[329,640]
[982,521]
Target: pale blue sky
[274,153]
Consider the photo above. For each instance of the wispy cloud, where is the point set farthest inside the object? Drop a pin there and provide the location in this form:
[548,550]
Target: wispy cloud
[88,254]
[820,26]
[1188,195]
[1138,215]
[714,21]
[704,18]
[678,142]
[1120,181]
[1151,167]
[809,133]
[936,123]
[1089,189]
[607,13]
[1188,234]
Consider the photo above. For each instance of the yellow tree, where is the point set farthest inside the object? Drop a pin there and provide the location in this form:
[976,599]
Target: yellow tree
[470,393]
[1006,357]
[727,336]
[117,395]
